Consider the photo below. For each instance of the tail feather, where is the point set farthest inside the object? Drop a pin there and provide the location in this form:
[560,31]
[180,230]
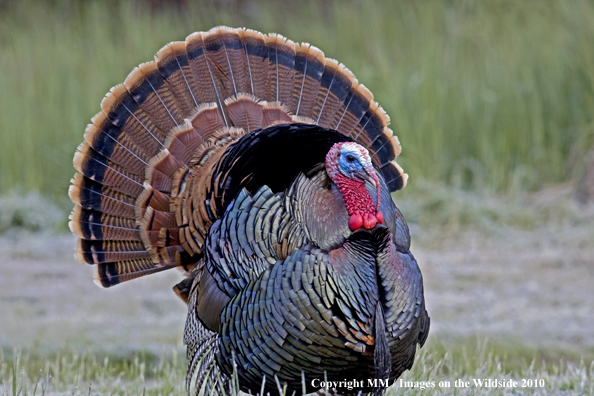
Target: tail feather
[172,255]
[111,274]
[157,219]
[394,176]
[192,239]
[275,113]
[92,195]
[352,110]
[119,106]
[256,56]
[309,68]
[113,143]
[165,163]
[188,136]
[372,124]
[245,112]
[175,70]
[95,252]
[93,225]
[336,85]
[207,120]
[205,87]
[384,148]
[151,198]
[150,92]
[281,68]
[225,55]
[98,168]
[178,150]
[159,180]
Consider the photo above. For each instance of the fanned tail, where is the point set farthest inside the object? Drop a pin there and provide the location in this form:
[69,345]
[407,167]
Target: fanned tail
[150,181]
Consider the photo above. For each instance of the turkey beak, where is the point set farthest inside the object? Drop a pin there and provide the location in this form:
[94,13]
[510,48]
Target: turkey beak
[370,176]
[372,181]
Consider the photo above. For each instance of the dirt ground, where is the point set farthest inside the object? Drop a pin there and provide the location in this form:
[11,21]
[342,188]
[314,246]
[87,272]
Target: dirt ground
[530,287]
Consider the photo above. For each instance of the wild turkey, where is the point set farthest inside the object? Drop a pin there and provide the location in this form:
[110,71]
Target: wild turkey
[263,170]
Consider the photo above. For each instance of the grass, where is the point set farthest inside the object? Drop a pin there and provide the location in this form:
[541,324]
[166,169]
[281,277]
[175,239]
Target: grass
[439,207]
[492,95]
[72,372]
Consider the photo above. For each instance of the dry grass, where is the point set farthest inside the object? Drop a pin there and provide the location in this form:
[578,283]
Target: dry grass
[75,373]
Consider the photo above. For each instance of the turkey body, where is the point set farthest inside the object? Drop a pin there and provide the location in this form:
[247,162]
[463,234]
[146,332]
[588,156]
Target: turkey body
[263,171]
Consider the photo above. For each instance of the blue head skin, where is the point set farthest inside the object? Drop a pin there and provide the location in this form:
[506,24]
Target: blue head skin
[354,163]
[349,166]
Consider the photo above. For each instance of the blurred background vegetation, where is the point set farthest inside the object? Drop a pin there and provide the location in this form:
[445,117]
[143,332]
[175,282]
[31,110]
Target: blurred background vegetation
[489,96]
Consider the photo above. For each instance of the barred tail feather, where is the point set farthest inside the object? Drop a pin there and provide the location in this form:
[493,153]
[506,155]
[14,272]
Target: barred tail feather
[281,68]
[99,252]
[111,274]
[115,144]
[205,87]
[173,66]
[150,92]
[256,61]
[119,106]
[309,68]
[94,225]
[100,169]
[95,196]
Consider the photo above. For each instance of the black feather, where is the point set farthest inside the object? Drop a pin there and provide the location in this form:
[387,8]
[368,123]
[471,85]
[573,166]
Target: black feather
[259,154]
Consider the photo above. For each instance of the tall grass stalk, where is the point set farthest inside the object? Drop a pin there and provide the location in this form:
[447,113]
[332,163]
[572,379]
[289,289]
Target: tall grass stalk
[481,94]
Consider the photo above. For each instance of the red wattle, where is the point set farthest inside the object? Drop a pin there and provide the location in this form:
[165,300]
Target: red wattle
[380,217]
[357,199]
[355,222]
[369,221]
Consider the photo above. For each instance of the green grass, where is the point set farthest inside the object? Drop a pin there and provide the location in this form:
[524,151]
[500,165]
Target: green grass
[72,372]
[439,208]
[494,95]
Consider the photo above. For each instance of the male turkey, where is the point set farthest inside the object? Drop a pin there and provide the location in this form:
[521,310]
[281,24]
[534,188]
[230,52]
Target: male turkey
[263,170]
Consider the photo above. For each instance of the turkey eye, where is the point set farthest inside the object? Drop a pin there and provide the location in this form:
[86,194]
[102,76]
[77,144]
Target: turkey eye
[350,158]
